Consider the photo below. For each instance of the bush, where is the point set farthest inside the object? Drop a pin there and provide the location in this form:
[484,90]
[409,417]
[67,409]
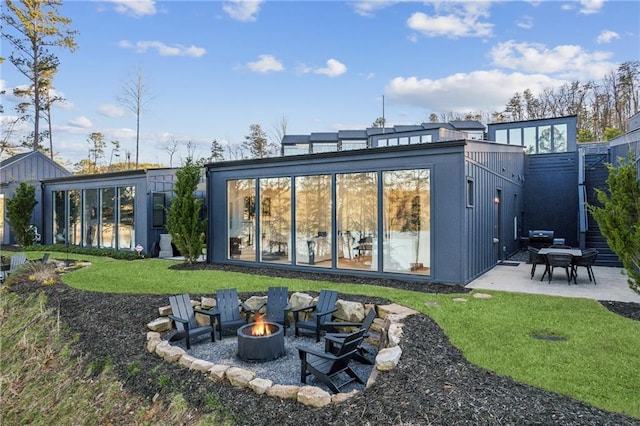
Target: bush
[90,251]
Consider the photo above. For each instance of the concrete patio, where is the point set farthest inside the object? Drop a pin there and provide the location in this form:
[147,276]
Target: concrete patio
[612,282]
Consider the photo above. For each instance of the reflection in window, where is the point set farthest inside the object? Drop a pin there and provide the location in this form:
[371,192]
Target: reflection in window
[126,225]
[313,220]
[560,138]
[544,140]
[75,237]
[242,219]
[90,218]
[59,218]
[406,221]
[275,219]
[530,140]
[515,136]
[357,219]
[107,236]
[501,136]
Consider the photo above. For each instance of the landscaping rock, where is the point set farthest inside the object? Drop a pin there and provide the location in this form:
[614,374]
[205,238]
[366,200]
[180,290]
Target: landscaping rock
[314,396]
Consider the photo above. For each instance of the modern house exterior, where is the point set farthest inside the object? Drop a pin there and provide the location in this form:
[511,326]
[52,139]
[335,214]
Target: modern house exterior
[30,167]
[111,210]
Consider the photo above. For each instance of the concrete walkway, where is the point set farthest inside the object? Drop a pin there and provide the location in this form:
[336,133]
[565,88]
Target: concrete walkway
[612,283]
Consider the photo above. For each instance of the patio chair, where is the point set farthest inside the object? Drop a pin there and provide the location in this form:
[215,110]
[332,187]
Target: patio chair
[333,341]
[327,366]
[227,310]
[183,314]
[277,306]
[17,260]
[586,260]
[322,313]
[537,259]
[559,260]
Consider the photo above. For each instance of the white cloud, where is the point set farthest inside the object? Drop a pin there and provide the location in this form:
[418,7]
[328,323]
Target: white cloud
[565,61]
[369,7]
[110,110]
[82,122]
[266,63]
[465,92]
[163,49]
[135,7]
[334,68]
[242,10]
[607,36]
[589,7]
[458,20]
[526,22]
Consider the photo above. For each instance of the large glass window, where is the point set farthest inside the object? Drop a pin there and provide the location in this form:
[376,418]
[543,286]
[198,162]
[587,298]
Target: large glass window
[406,221]
[515,136]
[241,217]
[354,144]
[59,218]
[107,236]
[324,147]
[90,218]
[530,140]
[126,224]
[544,140]
[75,223]
[560,138]
[313,220]
[502,136]
[275,219]
[357,219]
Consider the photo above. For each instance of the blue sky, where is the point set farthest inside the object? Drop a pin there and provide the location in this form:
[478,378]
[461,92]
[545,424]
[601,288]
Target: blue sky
[214,68]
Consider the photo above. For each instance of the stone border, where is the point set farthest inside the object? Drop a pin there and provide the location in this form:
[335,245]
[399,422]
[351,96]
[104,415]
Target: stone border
[388,324]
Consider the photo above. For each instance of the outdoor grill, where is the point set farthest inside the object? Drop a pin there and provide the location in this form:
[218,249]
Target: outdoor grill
[540,239]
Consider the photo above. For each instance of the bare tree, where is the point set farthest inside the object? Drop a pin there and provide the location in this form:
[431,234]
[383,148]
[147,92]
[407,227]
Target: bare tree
[135,96]
[171,147]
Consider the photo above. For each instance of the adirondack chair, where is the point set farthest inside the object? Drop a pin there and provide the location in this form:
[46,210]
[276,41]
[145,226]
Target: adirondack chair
[322,312]
[333,341]
[227,310]
[183,314]
[17,260]
[326,366]
[277,306]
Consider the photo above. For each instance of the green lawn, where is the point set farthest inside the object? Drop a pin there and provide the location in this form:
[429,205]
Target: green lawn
[598,363]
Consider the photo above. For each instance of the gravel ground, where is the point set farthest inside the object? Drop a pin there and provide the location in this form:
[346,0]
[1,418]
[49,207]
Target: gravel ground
[433,384]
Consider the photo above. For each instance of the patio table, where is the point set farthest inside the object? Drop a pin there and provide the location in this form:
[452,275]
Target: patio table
[576,253]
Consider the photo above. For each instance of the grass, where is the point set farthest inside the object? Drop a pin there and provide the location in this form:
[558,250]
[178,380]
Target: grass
[42,384]
[598,363]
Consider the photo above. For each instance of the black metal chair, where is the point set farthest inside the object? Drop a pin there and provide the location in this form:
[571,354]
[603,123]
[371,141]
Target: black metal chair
[537,259]
[322,313]
[183,314]
[587,260]
[560,260]
[327,367]
[227,310]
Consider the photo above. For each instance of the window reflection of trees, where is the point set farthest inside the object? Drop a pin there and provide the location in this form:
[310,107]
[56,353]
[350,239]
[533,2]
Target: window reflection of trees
[241,219]
[126,225]
[59,218]
[357,218]
[107,218]
[313,220]
[75,236]
[406,221]
[275,219]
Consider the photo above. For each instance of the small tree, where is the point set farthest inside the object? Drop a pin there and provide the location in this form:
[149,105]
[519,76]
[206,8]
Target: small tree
[19,213]
[183,218]
[619,216]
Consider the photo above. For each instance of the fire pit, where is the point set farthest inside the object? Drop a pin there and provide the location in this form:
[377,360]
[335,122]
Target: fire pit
[260,341]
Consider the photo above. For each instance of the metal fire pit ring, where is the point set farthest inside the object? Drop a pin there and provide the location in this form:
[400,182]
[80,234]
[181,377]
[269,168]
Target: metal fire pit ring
[261,348]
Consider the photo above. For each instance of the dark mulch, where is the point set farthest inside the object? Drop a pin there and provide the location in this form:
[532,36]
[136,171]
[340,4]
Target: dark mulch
[433,384]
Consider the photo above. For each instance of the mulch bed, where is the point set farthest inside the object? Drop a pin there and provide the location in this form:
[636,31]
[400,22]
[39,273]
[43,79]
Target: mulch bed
[433,383]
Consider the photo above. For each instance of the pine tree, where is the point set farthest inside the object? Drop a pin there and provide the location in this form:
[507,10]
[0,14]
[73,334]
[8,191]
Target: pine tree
[619,216]
[19,212]
[184,223]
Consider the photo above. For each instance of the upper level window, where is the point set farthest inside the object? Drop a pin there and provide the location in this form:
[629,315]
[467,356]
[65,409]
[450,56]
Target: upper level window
[501,136]
[324,147]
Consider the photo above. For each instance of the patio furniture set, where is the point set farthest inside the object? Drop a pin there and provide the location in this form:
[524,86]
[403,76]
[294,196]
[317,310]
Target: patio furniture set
[565,257]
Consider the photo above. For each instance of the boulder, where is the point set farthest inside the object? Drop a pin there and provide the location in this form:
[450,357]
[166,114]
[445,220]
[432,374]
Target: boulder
[341,397]
[283,391]
[239,377]
[218,372]
[313,396]
[201,365]
[259,385]
[160,324]
[186,360]
[394,308]
[163,311]
[349,311]
[388,358]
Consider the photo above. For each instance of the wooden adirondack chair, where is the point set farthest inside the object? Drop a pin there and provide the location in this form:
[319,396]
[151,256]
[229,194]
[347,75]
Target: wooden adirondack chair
[322,313]
[227,310]
[333,341]
[326,366]
[183,314]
